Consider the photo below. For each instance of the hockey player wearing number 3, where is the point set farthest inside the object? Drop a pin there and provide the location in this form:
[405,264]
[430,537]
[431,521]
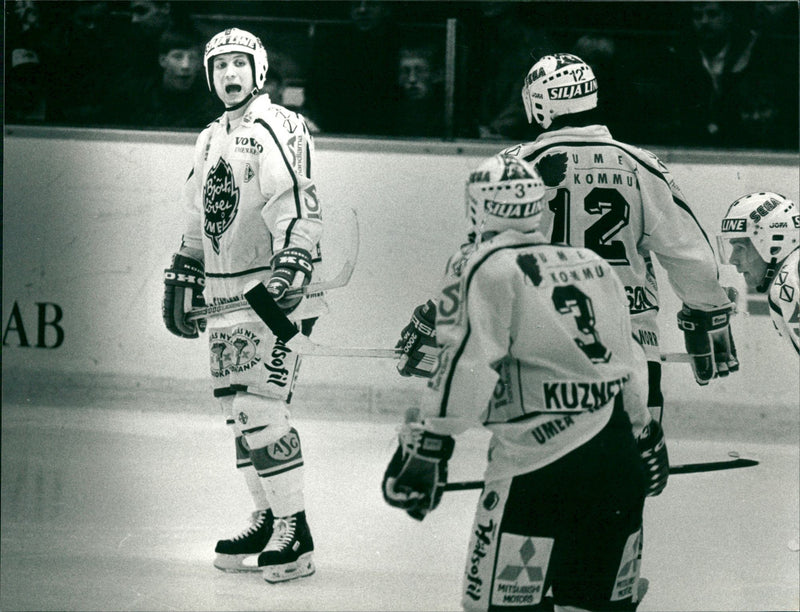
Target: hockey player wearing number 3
[253,224]
[622,202]
[533,342]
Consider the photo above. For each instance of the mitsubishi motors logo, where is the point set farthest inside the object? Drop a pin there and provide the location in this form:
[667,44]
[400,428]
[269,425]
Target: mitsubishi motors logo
[526,553]
[524,561]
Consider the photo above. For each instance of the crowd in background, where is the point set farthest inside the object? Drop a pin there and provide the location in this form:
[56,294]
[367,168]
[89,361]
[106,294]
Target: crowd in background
[703,74]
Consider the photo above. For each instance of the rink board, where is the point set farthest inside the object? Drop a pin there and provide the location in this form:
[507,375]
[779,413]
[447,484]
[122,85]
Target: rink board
[92,217]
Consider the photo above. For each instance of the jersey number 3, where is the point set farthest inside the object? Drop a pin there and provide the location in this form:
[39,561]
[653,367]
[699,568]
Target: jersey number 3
[568,299]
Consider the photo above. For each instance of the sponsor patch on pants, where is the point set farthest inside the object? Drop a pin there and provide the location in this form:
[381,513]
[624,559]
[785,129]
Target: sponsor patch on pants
[628,574]
[521,569]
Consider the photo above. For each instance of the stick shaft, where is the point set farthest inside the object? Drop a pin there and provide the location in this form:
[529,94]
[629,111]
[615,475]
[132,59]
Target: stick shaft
[683,468]
[346,351]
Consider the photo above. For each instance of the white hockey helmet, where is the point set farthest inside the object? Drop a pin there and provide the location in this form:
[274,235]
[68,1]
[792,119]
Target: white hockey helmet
[504,192]
[235,40]
[771,222]
[558,84]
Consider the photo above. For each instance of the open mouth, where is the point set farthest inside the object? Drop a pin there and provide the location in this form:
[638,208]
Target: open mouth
[230,89]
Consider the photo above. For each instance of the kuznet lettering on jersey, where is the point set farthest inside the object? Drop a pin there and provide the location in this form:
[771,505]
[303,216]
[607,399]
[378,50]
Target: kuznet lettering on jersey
[580,396]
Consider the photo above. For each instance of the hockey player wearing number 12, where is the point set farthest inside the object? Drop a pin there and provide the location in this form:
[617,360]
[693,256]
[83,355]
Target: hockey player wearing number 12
[622,202]
[533,342]
[253,224]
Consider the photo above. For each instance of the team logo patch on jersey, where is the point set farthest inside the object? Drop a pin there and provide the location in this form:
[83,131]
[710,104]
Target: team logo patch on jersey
[521,569]
[220,201]
[248,173]
[234,352]
[553,168]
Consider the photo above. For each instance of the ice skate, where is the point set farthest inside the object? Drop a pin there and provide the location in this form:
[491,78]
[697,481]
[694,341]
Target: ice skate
[233,555]
[289,552]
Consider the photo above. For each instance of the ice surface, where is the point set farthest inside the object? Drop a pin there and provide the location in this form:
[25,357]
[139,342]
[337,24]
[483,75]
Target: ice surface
[119,509]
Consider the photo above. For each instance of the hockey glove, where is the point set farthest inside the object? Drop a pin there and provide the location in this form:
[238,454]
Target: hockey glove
[415,477]
[708,339]
[418,343]
[653,451]
[291,268]
[183,290]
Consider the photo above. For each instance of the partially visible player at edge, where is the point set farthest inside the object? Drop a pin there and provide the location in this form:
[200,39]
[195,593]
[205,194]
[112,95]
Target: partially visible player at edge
[253,225]
[759,235]
[621,202]
[533,342]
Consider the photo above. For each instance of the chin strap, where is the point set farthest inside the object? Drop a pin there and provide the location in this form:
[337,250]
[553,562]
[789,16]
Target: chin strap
[252,95]
[772,268]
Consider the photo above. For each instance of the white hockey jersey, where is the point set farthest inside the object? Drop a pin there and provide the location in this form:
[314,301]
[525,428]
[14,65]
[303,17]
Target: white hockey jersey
[249,195]
[622,203]
[536,346]
[784,300]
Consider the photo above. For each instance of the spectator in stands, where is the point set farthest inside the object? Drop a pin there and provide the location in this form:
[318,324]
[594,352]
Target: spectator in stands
[147,21]
[350,82]
[294,100]
[88,59]
[177,96]
[501,45]
[705,68]
[419,103]
[614,100]
[766,98]
[25,98]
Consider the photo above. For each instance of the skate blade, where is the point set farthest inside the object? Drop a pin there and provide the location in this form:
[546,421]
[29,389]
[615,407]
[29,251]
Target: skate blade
[237,563]
[304,566]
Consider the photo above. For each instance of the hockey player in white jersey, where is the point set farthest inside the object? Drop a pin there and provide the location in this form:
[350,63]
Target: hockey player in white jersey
[760,235]
[253,223]
[533,342]
[621,202]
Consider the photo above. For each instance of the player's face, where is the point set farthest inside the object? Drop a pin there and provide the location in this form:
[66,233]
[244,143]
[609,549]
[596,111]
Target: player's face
[747,261]
[233,77]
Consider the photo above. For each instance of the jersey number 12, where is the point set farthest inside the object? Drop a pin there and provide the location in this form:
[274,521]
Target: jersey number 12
[613,210]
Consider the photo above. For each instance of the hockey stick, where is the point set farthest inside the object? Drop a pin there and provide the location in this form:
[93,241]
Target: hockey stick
[240,303]
[340,280]
[682,468]
[345,351]
[676,358]
[391,353]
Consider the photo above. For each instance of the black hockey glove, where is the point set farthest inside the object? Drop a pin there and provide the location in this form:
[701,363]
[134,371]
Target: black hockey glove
[708,339]
[418,343]
[653,451]
[291,269]
[183,290]
[417,473]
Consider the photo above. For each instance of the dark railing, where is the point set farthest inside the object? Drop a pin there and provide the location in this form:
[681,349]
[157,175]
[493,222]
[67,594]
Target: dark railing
[438,70]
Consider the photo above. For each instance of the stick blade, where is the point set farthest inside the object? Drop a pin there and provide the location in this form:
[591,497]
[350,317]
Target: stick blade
[713,466]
